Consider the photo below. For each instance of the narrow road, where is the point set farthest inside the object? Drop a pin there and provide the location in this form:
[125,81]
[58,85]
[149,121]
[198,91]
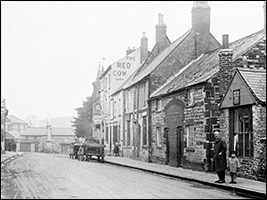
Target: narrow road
[56,176]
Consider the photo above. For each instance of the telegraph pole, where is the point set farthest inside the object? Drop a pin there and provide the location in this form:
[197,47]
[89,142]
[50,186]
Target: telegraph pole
[4,113]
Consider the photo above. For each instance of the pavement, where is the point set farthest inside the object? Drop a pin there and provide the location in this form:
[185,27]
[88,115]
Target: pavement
[245,187]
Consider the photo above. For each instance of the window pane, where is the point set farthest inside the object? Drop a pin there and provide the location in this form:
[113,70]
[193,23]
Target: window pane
[185,137]
[240,137]
[128,133]
[247,143]
[144,131]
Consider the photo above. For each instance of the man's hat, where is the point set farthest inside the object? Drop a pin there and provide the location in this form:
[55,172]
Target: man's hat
[231,152]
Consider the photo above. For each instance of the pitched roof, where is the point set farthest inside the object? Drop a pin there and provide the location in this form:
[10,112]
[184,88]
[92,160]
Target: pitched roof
[256,81]
[206,66]
[15,120]
[42,131]
[9,136]
[62,131]
[34,131]
[14,133]
[244,44]
[147,69]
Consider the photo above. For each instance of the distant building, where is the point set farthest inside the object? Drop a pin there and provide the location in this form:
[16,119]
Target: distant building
[97,105]
[13,123]
[46,139]
[14,127]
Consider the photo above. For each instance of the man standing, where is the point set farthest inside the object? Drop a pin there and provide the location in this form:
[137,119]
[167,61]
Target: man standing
[219,156]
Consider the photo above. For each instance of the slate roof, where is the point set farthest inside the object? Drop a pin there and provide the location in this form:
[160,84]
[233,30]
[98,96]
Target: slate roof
[42,131]
[206,66]
[147,69]
[256,81]
[13,119]
[34,131]
[244,44]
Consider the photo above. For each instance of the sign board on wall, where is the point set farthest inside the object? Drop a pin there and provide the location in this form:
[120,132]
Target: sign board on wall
[126,66]
[97,119]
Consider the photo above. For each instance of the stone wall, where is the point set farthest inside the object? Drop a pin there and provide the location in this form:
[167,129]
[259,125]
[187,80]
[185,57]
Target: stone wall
[203,114]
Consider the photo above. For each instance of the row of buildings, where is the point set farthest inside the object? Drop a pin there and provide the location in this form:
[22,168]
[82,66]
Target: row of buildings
[20,137]
[162,105]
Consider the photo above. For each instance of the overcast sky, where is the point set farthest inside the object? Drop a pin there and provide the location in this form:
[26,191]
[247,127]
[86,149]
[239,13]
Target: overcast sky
[50,50]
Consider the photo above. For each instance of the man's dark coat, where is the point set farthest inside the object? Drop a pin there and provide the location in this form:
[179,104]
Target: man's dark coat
[220,162]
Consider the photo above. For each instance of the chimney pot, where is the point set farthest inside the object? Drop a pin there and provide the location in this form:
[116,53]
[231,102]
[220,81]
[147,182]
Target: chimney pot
[225,41]
[144,34]
[160,19]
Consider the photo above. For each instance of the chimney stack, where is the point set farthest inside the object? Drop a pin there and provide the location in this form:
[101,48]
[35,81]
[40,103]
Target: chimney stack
[161,31]
[201,16]
[225,70]
[225,41]
[144,47]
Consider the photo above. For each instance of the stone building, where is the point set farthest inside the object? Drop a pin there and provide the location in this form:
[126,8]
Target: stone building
[46,139]
[186,109]
[165,59]
[244,118]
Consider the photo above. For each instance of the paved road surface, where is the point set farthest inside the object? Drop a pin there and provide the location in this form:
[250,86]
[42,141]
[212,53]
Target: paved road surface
[40,175]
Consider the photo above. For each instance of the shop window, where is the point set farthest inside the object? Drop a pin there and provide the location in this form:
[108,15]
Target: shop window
[243,135]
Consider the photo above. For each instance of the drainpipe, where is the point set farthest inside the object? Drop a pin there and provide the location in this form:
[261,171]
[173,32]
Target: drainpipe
[149,124]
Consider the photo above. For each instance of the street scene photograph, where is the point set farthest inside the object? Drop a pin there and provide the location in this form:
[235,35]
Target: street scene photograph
[133,99]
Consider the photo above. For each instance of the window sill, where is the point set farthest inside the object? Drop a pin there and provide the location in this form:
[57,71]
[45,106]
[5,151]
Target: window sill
[190,149]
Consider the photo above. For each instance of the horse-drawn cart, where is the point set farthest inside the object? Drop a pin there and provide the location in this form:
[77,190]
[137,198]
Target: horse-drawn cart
[89,150]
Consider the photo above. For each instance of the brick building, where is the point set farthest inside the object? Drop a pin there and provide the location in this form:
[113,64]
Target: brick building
[165,59]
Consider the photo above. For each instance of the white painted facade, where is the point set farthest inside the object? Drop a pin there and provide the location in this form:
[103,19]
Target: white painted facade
[112,106]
